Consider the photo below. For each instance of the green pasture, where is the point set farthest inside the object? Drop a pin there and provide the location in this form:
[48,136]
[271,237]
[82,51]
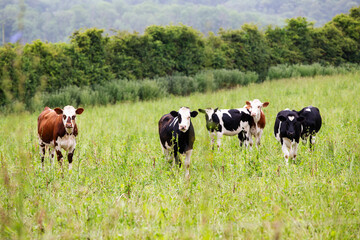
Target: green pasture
[121,187]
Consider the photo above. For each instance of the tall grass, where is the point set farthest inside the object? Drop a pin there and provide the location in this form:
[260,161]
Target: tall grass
[316,69]
[125,90]
[121,187]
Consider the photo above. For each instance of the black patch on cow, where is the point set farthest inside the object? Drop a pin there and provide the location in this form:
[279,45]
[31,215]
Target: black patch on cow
[232,122]
[216,123]
[312,121]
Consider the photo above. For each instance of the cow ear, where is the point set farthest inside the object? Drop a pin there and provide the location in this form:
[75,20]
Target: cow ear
[79,111]
[58,111]
[301,119]
[201,110]
[282,118]
[174,113]
[248,103]
[265,104]
[216,109]
[193,114]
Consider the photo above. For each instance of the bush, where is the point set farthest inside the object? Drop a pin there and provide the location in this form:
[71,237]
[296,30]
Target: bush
[285,71]
[205,81]
[131,90]
[150,90]
[231,78]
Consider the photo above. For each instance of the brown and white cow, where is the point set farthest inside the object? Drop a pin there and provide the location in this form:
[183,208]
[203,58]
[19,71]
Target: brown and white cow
[57,129]
[255,107]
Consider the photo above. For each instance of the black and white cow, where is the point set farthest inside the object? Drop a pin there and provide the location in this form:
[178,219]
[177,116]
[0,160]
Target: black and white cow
[229,122]
[287,130]
[177,134]
[311,124]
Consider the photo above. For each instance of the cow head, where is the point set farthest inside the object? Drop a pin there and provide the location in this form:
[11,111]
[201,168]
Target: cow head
[209,117]
[68,116]
[184,117]
[291,125]
[255,108]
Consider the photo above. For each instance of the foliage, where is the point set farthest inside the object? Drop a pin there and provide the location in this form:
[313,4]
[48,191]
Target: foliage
[122,187]
[177,56]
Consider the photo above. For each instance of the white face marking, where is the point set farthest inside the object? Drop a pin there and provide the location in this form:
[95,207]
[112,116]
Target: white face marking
[255,109]
[291,118]
[68,119]
[184,125]
[308,110]
[209,112]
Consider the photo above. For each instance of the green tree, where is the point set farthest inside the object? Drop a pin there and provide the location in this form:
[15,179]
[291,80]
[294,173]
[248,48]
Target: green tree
[88,57]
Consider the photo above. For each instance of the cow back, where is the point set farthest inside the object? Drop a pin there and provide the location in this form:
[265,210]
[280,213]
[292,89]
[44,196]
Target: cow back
[313,121]
[50,125]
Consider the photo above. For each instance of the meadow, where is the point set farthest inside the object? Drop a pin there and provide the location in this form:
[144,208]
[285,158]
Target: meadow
[121,187]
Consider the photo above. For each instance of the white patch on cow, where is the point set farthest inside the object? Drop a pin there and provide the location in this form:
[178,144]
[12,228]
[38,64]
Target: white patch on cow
[167,147]
[187,163]
[277,136]
[184,125]
[67,142]
[69,112]
[308,110]
[174,121]
[209,112]
[313,140]
[291,118]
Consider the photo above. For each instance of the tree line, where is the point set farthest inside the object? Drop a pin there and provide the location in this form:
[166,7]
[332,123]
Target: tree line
[93,58]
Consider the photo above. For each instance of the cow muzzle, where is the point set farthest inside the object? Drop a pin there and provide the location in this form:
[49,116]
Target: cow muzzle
[69,125]
[291,134]
[182,128]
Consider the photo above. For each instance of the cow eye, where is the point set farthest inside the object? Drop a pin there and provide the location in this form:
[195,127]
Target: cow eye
[188,118]
[64,117]
[73,117]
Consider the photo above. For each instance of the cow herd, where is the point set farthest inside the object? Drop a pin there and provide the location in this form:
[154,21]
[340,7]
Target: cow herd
[57,129]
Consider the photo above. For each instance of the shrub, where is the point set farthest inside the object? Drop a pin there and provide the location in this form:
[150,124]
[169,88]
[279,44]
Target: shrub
[205,81]
[150,90]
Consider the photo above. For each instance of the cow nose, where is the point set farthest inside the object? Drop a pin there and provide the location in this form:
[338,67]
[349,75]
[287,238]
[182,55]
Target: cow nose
[182,127]
[291,134]
[68,125]
[253,114]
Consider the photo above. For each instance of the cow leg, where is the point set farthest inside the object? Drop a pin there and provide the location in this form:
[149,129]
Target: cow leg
[285,148]
[304,139]
[219,136]
[258,137]
[250,140]
[293,150]
[70,158]
[42,153]
[187,163]
[59,154]
[212,137]
[242,139]
[51,155]
[312,142]
[177,158]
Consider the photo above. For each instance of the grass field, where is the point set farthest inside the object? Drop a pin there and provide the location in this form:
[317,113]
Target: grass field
[121,186]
